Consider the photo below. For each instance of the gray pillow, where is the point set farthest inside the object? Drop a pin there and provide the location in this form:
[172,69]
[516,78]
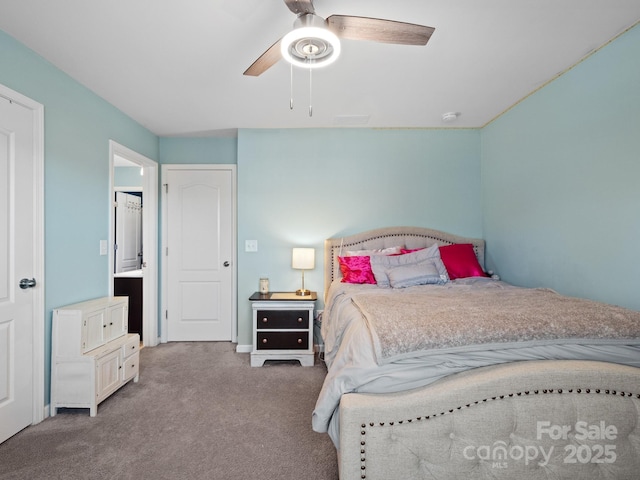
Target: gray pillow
[424,273]
[381,263]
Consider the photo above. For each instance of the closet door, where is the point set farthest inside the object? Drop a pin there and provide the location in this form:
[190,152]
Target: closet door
[199,253]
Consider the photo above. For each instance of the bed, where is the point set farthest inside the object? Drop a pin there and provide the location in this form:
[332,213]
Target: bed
[500,382]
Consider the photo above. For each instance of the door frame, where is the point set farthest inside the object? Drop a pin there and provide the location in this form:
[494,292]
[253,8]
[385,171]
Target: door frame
[234,273]
[149,235]
[39,410]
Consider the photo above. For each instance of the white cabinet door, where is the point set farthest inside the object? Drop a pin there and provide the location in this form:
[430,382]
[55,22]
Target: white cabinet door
[108,375]
[95,329]
[200,254]
[117,321]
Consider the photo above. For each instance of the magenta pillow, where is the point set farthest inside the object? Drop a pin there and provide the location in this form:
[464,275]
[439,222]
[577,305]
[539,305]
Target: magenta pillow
[356,270]
[461,261]
[404,251]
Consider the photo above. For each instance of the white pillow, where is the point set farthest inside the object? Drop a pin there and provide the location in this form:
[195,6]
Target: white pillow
[375,251]
[380,264]
[424,273]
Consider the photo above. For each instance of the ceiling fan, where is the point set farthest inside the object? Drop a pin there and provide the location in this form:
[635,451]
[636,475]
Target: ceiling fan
[314,42]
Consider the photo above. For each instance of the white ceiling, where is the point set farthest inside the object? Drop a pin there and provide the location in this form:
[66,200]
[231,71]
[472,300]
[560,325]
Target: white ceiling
[176,66]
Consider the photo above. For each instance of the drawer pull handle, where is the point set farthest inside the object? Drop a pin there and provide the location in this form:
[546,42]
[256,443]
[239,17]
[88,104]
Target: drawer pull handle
[265,320]
[264,340]
[133,347]
[299,340]
[299,319]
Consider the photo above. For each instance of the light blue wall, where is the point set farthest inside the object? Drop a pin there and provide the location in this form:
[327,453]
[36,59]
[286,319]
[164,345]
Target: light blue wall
[182,150]
[561,181]
[78,127]
[127,177]
[299,187]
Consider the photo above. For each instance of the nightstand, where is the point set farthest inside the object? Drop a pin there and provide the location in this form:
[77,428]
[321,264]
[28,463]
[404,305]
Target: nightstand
[282,327]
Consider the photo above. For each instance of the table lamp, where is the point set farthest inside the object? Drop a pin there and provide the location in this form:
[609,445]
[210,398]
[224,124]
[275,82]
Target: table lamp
[303,259]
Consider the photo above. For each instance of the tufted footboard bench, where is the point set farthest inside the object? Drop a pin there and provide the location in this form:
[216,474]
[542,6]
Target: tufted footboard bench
[526,420]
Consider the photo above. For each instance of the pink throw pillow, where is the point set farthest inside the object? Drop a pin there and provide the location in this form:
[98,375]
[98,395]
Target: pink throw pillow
[404,251]
[356,270]
[461,261]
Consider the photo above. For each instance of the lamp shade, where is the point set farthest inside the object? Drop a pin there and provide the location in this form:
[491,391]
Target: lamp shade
[303,258]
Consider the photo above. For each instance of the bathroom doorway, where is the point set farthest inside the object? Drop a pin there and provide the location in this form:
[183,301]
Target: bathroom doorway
[133,238]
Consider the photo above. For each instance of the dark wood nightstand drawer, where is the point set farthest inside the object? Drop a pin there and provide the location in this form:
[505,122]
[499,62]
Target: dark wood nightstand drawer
[282,340]
[289,319]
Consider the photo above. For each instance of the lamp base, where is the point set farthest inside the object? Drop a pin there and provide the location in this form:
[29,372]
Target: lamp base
[303,293]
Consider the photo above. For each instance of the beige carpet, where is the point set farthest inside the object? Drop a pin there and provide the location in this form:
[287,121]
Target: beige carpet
[199,411]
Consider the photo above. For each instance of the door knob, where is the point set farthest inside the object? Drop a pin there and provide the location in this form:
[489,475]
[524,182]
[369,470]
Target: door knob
[226,264]
[27,283]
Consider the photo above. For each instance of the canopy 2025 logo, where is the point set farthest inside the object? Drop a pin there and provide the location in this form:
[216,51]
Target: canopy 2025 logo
[599,448]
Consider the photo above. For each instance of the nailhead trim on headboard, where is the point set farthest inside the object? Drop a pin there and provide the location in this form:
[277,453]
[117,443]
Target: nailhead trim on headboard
[588,390]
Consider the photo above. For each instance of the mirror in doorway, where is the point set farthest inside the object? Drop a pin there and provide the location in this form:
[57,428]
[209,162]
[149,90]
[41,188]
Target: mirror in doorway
[128,232]
[128,245]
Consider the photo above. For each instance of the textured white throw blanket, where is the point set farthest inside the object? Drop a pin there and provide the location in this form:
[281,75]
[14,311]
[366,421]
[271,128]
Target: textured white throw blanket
[443,319]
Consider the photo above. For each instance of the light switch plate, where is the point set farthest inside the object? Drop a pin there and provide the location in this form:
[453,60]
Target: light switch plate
[250,245]
[103,247]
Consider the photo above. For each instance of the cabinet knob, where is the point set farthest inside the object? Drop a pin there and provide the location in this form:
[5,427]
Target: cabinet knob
[299,340]
[299,319]
[264,340]
[265,320]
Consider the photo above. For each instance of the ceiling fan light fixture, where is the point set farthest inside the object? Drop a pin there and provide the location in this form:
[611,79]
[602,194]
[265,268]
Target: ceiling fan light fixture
[310,44]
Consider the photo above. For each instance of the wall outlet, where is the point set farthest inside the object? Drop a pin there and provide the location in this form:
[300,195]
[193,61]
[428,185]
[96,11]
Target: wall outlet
[251,245]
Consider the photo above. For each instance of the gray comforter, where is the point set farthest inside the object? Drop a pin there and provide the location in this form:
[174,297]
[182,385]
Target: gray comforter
[434,331]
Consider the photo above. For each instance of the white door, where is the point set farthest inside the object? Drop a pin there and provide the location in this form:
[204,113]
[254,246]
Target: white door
[128,232]
[199,249]
[16,263]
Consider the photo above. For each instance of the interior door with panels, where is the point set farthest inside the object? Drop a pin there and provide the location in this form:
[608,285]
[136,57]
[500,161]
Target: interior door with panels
[199,253]
[17,144]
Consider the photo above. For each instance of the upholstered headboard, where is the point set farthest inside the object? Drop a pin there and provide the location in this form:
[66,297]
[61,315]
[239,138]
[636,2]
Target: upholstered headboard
[408,237]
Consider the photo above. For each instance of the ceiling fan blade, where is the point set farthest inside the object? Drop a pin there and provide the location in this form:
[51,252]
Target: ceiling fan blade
[265,61]
[300,7]
[379,30]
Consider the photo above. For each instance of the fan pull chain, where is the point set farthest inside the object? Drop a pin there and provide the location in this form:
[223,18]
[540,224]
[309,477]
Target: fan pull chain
[310,93]
[291,87]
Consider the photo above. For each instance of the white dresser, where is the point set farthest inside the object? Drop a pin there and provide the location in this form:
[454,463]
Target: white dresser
[92,354]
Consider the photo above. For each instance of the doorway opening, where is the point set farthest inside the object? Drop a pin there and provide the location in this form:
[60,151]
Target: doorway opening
[133,236]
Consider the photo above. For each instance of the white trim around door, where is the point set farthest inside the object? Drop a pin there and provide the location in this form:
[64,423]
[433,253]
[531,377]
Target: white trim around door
[150,337]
